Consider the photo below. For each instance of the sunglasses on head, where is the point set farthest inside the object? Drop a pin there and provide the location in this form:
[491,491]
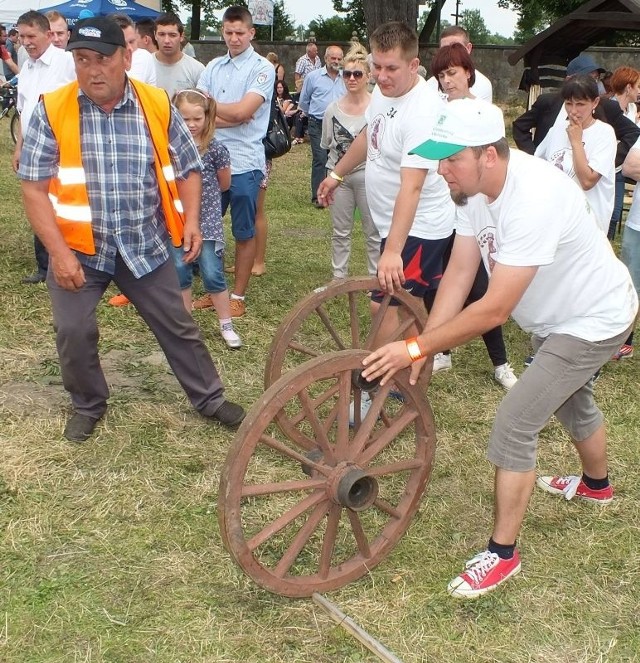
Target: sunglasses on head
[357,74]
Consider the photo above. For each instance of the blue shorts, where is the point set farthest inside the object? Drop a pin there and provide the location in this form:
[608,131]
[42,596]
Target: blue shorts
[210,262]
[243,199]
[423,261]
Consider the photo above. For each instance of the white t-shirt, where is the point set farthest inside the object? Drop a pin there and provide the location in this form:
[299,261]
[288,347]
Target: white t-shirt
[143,66]
[600,146]
[182,75]
[633,218]
[481,89]
[396,125]
[542,218]
[53,69]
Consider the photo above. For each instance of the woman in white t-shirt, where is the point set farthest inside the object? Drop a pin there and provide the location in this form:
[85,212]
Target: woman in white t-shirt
[584,147]
[455,72]
[342,122]
[625,85]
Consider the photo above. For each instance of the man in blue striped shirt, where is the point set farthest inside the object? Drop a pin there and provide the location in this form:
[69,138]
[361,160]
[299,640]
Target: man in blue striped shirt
[128,227]
[242,83]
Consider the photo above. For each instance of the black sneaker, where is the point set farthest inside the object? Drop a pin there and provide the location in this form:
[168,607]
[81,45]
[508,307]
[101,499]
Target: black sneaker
[80,427]
[38,277]
[229,414]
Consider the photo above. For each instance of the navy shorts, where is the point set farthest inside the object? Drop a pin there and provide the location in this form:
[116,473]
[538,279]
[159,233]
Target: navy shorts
[243,199]
[423,261]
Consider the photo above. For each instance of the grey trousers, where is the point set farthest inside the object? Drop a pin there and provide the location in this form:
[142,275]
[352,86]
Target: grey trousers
[351,194]
[158,300]
[559,381]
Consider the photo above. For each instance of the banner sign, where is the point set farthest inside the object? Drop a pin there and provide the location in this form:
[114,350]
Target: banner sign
[261,11]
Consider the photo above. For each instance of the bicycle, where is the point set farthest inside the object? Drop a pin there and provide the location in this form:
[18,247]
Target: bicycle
[9,95]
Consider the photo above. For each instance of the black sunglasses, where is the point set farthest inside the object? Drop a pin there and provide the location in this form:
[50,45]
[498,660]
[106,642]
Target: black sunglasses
[357,74]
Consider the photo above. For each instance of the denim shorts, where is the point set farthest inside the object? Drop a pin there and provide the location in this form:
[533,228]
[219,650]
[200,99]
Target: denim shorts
[630,254]
[243,199]
[210,263]
[558,381]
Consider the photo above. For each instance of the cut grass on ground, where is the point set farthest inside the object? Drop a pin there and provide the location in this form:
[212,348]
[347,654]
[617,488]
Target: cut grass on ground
[111,550]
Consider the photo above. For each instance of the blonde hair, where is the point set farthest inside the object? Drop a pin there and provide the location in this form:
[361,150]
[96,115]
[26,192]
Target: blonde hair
[272,57]
[357,54]
[208,104]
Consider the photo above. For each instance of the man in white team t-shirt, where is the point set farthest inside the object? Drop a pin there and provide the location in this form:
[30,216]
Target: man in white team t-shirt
[409,201]
[455,34]
[554,271]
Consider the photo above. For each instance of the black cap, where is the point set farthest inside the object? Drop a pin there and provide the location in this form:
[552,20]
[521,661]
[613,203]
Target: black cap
[98,33]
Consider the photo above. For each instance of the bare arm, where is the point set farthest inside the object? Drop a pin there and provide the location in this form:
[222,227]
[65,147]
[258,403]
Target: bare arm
[390,267]
[354,156]
[224,178]
[240,111]
[190,191]
[631,165]
[66,268]
[587,177]
[449,326]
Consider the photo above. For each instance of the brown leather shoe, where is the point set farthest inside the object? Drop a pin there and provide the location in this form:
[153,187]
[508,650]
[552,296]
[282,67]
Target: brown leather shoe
[202,302]
[238,308]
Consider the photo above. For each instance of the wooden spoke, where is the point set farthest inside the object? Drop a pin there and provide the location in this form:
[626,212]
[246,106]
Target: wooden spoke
[304,513]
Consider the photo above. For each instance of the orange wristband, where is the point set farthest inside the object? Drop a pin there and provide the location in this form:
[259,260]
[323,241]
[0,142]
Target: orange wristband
[413,349]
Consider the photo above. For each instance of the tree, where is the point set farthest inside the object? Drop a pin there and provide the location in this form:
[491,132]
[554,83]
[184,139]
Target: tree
[536,15]
[373,13]
[471,20]
[283,27]
[334,28]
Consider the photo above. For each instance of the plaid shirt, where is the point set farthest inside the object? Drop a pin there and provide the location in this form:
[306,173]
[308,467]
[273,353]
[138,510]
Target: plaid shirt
[117,155]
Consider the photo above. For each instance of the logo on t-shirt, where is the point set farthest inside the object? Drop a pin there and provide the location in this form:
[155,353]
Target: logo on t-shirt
[376,132]
[487,243]
[261,78]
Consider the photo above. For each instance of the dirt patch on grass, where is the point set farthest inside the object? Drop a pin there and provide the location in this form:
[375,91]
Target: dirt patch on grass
[125,372]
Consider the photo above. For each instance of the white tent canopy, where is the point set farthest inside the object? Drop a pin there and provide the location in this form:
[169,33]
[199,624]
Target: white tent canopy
[11,9]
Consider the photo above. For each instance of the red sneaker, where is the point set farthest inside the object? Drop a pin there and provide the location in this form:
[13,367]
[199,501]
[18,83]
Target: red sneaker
[625,352]
[572,486]
[483,573]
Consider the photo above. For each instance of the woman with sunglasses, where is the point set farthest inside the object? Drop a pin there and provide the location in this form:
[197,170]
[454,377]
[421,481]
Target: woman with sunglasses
[343,121]
[455,72]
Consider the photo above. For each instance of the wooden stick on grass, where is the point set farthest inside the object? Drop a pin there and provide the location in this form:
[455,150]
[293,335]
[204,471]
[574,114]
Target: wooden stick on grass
[360,634]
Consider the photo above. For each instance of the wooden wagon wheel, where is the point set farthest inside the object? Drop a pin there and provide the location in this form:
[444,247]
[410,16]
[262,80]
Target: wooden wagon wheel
[335,317]
[317,511]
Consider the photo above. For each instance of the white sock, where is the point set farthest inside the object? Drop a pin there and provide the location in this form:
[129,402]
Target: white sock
[240,297]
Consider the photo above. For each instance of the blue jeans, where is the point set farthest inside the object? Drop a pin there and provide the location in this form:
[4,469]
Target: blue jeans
[319,157]
[211,267]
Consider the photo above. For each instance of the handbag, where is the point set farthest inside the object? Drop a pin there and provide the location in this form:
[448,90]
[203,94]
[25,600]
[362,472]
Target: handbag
[278,139]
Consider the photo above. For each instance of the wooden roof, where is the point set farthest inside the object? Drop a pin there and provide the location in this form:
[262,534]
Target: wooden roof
[572,34]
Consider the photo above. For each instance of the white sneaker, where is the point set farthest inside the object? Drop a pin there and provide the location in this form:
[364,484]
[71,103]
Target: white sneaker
[365,404]
[230,337]
[441,362]
[505,376]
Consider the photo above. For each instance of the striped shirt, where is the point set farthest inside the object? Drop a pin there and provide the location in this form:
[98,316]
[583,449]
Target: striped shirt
[228,80]
[117,155]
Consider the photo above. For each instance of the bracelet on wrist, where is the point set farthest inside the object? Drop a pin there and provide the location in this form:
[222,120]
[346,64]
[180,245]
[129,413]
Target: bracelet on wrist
[333,175]
[414,349]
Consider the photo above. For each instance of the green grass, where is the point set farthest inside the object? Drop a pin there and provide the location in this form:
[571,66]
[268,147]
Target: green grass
[111,550]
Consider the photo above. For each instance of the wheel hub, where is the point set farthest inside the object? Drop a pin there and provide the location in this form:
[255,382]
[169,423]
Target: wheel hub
[350,487]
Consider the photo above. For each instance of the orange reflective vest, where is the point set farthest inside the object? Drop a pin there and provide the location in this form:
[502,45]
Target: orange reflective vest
[68,191]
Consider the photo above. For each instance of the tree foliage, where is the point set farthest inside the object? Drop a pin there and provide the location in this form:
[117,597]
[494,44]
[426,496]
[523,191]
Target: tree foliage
[334,28]
[203,16]
[471,20]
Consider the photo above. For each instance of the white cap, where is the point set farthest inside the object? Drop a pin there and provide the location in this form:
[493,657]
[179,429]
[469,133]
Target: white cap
[462,123]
